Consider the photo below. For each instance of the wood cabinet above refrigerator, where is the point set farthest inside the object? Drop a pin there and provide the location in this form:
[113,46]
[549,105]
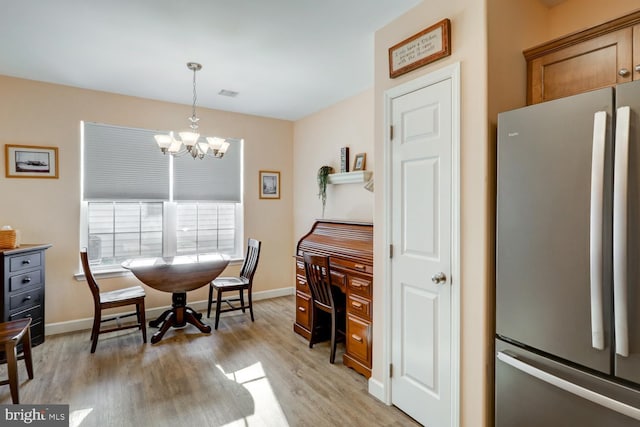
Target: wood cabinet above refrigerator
[601,56]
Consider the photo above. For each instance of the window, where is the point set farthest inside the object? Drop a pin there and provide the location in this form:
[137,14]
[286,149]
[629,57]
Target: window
[151,207]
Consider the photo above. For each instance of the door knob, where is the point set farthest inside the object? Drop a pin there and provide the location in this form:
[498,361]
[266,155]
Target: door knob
[439,278]
[637,68]
[623,72]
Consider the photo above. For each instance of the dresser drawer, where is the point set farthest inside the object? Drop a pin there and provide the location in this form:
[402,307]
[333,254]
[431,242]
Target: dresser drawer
[358,339]
[359,306]
[34,312]
[22,262]
[303,307]
[25,299]
[21,281]
[352,265]
[359,286]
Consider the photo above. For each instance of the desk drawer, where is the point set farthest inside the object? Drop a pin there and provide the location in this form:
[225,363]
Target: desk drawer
[21,281]
[303,307]
[358,339]
[22,262]
[352,265]
[359,306]
[359,286]
[25,299]
[301,285]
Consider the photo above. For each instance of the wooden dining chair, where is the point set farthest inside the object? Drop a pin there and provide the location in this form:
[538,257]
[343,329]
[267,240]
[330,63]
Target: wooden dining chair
[325,299]
[13,333]
[240,284]
[118,298]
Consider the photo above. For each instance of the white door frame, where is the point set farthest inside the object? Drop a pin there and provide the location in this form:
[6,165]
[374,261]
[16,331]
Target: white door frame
[449,72]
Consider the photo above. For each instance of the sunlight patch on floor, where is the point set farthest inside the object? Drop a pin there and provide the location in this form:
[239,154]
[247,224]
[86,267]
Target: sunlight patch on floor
[77,417]
[267,409]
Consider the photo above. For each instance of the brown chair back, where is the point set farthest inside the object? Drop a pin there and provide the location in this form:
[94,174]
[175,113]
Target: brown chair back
[250,263]
[91,281]
[318,271]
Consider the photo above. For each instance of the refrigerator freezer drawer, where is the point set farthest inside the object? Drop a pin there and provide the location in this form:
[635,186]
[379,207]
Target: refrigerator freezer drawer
[534,391]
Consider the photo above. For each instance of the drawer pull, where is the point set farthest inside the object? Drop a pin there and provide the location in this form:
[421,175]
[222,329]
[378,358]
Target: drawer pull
[359,267]
[302,309]
[359,284]
[26,261]
[356,305]
[356,337]
[27,298]
[26,279]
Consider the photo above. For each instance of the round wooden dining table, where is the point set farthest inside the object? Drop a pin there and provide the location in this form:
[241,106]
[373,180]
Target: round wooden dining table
[177,275]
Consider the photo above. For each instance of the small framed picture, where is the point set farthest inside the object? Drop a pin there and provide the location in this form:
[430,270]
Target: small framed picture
[29,161]
[269,185]
[359,162]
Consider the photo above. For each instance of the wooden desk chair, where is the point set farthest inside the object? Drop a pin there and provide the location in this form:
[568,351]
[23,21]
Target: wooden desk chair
[118,298]
[11,334]
[325,298]
[240,284]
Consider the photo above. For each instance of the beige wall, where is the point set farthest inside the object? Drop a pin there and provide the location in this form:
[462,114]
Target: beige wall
[575,15]
[468,43]
[48,210]
[317,142]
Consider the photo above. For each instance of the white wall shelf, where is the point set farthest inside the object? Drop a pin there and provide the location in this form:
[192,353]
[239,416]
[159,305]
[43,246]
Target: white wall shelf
[357,177]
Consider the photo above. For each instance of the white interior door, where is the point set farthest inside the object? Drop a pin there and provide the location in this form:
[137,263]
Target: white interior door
[421,197]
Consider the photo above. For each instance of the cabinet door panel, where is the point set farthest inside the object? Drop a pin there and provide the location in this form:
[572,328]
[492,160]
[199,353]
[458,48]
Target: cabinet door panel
[589,65]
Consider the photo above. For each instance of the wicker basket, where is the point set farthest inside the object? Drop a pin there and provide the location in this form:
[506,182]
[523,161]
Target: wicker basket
[8,239]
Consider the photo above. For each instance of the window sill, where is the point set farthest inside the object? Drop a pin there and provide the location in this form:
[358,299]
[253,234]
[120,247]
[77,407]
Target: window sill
[120,272]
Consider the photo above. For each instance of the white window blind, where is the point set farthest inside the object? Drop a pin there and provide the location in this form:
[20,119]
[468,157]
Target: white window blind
[209,178]
[129,211]
[123,164]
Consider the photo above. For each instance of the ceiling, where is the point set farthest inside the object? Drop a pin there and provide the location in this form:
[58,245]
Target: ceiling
[286,58]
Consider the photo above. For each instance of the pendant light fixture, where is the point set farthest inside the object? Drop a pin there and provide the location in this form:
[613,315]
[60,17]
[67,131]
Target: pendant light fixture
[189,141]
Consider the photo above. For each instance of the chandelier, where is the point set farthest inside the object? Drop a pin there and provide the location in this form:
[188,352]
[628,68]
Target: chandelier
[189,140]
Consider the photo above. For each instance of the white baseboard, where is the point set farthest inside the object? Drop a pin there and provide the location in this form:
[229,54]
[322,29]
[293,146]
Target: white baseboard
[85,324]
[376,389]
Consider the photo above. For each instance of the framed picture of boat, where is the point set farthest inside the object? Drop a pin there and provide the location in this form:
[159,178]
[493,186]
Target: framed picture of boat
[29,161]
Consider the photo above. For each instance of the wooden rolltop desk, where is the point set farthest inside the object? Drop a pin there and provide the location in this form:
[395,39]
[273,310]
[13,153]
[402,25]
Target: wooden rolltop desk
[349,246]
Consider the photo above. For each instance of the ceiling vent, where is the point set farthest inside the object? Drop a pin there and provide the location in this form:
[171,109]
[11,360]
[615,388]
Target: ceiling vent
[230,93]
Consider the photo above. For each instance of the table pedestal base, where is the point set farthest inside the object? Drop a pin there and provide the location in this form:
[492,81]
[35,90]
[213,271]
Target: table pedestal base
[178,316]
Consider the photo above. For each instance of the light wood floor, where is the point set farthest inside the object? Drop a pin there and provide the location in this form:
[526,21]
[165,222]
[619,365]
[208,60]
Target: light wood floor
[243,374]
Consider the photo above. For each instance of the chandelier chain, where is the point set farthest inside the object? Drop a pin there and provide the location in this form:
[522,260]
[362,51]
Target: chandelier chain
[194,118]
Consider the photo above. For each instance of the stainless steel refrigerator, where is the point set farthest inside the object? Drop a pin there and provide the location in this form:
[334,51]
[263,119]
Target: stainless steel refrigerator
[568,262]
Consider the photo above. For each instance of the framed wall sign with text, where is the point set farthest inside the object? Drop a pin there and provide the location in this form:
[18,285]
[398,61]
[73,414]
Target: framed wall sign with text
[420,49]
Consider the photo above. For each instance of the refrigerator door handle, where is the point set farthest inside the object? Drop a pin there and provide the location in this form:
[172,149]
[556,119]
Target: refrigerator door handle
[570,387]
[595,228]
[620,191]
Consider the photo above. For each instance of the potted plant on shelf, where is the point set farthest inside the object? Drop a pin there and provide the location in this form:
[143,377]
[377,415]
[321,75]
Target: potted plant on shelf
[323,179]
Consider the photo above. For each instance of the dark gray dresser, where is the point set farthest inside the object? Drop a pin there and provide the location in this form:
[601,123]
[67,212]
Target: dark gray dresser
[23,287]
